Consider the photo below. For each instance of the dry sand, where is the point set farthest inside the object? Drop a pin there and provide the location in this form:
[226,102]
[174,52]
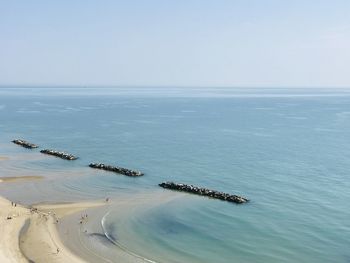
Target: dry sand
[9,231]
[30,234]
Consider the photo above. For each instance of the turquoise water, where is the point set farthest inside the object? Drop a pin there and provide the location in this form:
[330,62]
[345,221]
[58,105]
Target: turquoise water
[287,150]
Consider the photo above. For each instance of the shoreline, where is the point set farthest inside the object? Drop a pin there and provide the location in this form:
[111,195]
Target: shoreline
[41,232]
[92,242]
[60,232]
[13,179]
[30,234]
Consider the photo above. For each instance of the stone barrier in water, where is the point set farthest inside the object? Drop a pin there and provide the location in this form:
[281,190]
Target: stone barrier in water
[204,191]
[62,155]
[25,144]
[116,169]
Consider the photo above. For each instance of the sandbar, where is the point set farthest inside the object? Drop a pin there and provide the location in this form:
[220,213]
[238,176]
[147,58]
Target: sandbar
[20,178]
[29,234]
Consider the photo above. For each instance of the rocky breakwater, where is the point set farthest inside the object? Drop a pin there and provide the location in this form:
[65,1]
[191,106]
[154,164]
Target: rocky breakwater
[25,144]
[62,155]
[204,191]
[116,169]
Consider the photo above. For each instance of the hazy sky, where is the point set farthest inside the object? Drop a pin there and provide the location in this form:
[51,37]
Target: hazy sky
[176,43]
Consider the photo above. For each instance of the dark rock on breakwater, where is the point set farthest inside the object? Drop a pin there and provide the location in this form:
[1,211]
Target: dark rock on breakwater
[62,155]
[25,144]
[116,169]
[204,191]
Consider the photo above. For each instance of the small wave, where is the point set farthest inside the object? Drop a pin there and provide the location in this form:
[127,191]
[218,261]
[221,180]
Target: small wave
[72,109]
[188,111]
[88,108]
[264,108]
[28,111]
[113,241]
[145,122]
[297,117]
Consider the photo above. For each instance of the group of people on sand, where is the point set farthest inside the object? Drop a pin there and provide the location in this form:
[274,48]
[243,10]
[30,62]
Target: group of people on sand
[83,218]
[10,217]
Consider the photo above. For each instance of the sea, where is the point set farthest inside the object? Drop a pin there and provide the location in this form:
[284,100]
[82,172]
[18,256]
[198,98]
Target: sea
[285,149]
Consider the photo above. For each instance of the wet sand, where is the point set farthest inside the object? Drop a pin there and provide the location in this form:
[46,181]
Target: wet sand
[29,234]
[65,232]
[69,232]
[89,239]
[20,178]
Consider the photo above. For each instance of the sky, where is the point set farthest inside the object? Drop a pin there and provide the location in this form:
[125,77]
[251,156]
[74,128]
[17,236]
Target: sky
[218,43]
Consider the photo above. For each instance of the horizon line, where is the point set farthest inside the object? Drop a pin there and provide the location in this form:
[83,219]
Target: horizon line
[65,86]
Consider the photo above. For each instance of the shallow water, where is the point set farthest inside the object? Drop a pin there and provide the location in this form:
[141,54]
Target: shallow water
[287,150]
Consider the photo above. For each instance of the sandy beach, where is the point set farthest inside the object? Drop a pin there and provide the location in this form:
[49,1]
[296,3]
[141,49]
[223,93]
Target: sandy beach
[67,232]
[29,234]
[63,232]
[89,241]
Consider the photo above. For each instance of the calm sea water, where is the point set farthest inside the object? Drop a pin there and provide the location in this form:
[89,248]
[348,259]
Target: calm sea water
[287,150]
